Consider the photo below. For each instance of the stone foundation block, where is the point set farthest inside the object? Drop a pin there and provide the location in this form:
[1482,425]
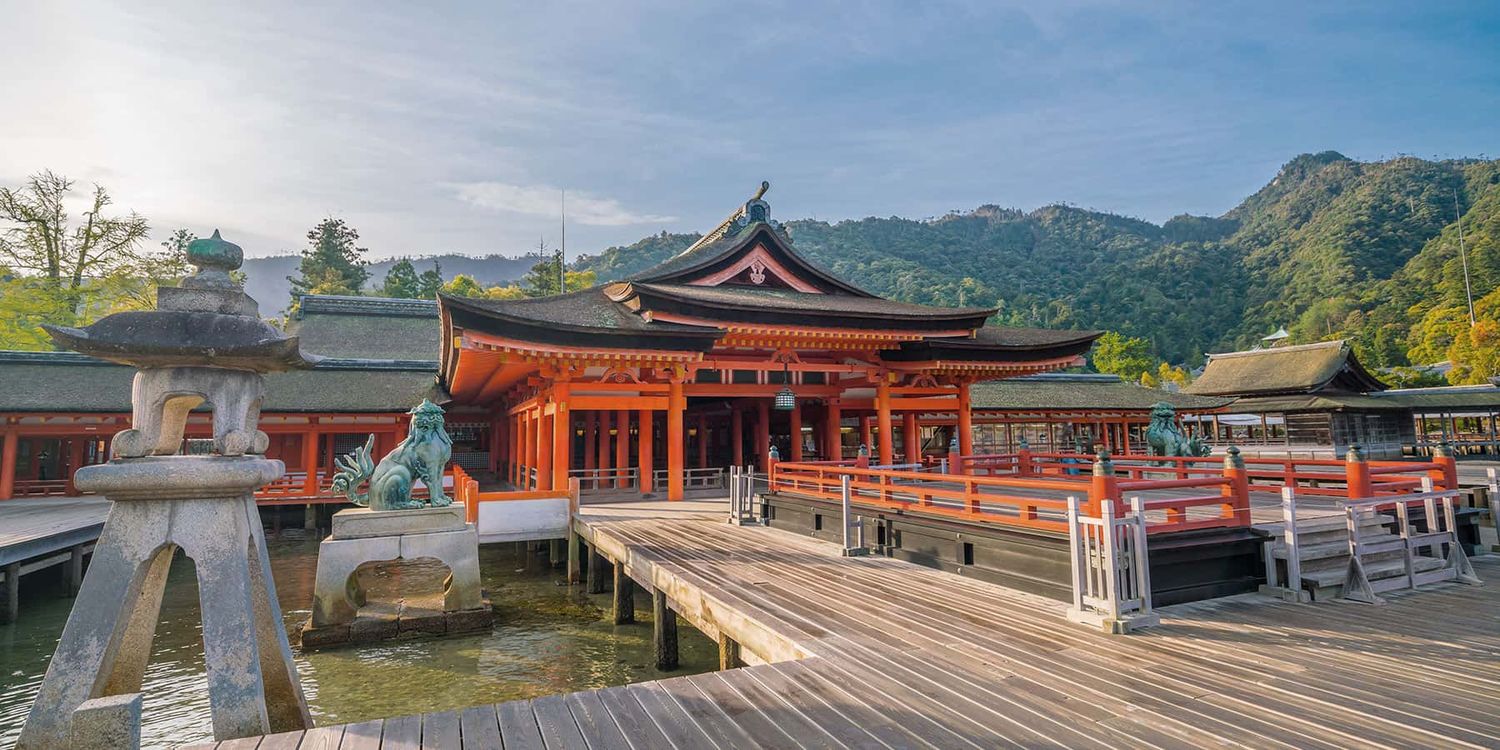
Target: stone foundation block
[109,723]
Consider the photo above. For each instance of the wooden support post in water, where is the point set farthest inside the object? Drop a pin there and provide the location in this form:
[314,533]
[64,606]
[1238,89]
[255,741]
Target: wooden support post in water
[555,553]
[75,570]
[597,572]
[729,653]
[575,557]
[12,593]
[663,631]
[624,598]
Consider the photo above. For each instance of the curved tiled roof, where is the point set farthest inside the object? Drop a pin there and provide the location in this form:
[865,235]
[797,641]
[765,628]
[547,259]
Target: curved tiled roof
[706,255]
[69,382]
[763,298]
[1307,368]
[1071,392]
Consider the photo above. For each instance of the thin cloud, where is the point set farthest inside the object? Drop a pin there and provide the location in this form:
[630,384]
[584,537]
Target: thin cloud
[540,200]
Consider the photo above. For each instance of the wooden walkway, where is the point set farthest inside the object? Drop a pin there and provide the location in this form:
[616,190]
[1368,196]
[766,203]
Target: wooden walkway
[899,656]
[39,533]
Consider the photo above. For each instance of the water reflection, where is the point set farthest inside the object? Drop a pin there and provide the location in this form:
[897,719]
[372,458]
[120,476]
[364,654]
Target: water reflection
[546,639]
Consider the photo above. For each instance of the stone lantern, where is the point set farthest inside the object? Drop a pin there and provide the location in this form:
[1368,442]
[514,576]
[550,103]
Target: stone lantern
[204,345]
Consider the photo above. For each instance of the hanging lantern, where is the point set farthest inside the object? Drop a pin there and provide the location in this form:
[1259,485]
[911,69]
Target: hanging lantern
[785,399]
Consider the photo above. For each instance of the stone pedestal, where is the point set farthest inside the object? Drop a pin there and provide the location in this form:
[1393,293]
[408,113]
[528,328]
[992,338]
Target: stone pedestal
[203,505]
[341,613]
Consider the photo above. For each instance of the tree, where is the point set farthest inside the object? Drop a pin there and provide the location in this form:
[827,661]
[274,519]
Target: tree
[332,263]
[1128,357]
[39,241]
[134,287]
[542,279]
[430,282]
[1166,373]
[400,281]
[464,285]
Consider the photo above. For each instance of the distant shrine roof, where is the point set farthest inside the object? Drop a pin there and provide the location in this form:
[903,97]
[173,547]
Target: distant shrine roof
[1325,368]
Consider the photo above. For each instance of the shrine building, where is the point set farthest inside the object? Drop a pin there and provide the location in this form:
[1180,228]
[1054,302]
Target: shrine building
[734,348]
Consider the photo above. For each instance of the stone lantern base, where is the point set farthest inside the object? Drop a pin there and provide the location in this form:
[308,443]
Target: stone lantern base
[341,615]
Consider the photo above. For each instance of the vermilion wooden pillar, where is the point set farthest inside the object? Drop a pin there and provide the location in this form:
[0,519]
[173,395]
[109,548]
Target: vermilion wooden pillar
[75,459]
[883,420]
[866,436]
[737,437]
[546,429]
[702,441]
[604,457]
[515,442]
[309,461]
[533,442]
[562,437]
[8,463]
[763,434]
[588,440]
[676,405]
[833,443]
[622,447]
[911,437]
[794,417]
[965,420]
[493,464]
[646,451]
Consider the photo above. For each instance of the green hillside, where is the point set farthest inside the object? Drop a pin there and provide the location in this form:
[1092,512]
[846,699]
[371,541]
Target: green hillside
[1331,247]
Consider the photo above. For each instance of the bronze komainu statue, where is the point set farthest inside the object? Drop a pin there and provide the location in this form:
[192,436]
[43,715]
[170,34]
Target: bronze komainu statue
[1166,438]
[422,455]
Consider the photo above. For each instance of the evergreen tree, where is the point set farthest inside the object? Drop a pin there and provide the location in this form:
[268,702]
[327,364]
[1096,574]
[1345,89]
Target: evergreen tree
[430,282]
[332,263]
[400,281]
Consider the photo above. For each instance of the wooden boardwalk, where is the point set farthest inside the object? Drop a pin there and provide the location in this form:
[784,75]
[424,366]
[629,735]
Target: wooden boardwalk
[894,655]
[39,533]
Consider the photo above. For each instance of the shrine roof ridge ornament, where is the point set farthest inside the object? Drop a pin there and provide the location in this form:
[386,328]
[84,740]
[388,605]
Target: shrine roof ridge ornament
[754,210]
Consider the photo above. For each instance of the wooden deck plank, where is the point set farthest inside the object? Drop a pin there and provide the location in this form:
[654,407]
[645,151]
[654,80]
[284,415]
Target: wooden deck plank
[792,720]
[440,731]
[322,738]
[855,724]
[747,716]
[711,718]
[596,725]
[559,730]
[674,722]
[479,727]
[281,741]
[402,733]
[638,727]
[518,727]
[362,736]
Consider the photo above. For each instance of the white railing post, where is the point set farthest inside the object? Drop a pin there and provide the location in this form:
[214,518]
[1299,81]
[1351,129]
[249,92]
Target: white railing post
[1138,556]
[1493,493]
[851,547]
[1077,554]
[1291,546]
[1110,565]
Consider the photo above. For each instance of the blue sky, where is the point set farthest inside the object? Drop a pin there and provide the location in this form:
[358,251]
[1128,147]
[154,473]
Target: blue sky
[453,127]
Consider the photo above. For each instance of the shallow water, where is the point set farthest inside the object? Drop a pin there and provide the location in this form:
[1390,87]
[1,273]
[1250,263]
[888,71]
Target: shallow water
[547,639]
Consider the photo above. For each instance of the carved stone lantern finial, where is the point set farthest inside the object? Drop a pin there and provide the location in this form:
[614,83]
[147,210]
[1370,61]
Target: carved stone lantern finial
[214,258]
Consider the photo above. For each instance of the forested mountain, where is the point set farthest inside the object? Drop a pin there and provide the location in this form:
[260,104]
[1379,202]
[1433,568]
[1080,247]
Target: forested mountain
[1331,247]
[266,278]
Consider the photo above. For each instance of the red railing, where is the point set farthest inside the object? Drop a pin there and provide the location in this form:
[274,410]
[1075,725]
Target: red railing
[1322,477]
[466,491]
[1037,501]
